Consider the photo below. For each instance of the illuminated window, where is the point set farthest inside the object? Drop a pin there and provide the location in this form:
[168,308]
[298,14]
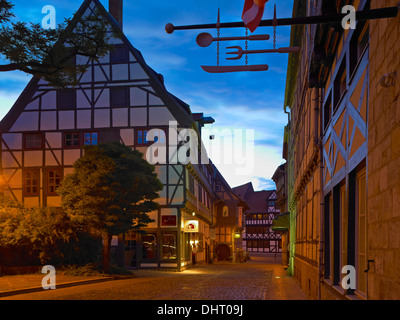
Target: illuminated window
[141,136]
[90,138]
[149,244]
[169,246]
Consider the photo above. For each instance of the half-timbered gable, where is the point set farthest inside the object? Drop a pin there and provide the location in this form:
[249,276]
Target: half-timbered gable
[118,98]
[258,235]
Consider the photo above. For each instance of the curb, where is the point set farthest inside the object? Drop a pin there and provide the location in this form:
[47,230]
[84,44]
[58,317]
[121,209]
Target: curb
[61,285]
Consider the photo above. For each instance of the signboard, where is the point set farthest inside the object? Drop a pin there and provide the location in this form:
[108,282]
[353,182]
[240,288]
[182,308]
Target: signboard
[191,226]
[168,221]
[213,233]
[240,216]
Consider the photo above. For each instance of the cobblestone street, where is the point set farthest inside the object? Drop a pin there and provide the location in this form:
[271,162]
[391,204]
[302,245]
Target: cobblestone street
[261,278]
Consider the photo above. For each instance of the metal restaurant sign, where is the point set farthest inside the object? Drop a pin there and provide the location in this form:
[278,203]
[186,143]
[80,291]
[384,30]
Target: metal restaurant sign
[205,39]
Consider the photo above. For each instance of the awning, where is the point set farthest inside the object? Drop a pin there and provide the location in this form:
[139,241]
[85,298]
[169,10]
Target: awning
[281,222]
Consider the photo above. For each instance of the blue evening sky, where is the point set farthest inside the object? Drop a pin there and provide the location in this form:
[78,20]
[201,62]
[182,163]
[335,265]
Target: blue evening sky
[245,100]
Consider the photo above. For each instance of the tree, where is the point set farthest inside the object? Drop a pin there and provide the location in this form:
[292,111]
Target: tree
[111,191]
[33,235]
[47,53]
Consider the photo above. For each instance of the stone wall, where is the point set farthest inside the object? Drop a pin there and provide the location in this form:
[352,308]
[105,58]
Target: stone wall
[384,158]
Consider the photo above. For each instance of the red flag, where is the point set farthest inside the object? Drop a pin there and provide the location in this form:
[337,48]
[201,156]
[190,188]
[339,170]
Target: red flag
[252,13]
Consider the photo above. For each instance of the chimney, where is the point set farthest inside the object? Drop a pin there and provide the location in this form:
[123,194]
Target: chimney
[115,9]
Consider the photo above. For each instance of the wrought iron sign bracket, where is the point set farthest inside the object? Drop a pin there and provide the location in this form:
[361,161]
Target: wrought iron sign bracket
[205,39]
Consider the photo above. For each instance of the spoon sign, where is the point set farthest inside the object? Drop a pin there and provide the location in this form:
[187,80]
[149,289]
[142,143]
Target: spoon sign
[204,39]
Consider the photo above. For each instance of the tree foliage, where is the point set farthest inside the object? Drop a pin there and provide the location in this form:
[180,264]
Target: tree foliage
[111,190]
[40,232]
[48,53]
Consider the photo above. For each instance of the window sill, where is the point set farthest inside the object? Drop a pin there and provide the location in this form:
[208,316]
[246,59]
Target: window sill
[339,290]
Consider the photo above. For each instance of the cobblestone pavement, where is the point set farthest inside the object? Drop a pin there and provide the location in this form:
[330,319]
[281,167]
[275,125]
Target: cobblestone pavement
[261,278]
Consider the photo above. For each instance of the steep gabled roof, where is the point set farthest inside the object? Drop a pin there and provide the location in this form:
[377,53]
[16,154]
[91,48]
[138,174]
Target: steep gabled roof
[256,200]
[180,110]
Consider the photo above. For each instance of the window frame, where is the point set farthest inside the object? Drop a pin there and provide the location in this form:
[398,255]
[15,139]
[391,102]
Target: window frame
[90,132]
[24,182]
[65,139]
[57,169]
[25,135]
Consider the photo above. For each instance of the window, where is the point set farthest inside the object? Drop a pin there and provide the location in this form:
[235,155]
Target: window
[361,223]
[327,111]
[66,99]
[33,141]
[72,140]
[141,135]
[159,135]
[119,54]
[191,182]
[271,203]
[119,97]
[359,41]
[223,234]
[53,181]
[340,83]
[149,243]
[327,235]
[335,231]
[169,246]
[344,226]
[90,138]
[31,182]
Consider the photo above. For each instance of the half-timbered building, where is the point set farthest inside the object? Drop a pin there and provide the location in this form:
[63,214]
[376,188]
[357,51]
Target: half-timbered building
[258,235]
[342,159]
[119,98]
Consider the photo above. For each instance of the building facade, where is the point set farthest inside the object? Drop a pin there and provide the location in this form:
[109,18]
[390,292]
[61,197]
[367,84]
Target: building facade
[343,95]
[119,98]
[258,235]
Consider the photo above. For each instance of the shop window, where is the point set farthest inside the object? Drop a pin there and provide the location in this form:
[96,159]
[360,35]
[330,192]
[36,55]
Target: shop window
[130,249]
[149,246]
[169,246]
